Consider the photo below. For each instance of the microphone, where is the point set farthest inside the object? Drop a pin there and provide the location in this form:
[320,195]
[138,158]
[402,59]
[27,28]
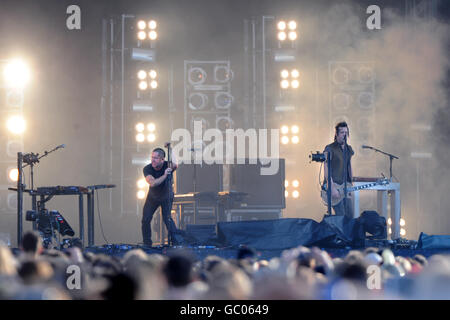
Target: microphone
[61,146]
[366,147]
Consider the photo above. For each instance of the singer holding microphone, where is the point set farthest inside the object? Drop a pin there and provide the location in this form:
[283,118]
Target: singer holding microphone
[158,175]
[341,168]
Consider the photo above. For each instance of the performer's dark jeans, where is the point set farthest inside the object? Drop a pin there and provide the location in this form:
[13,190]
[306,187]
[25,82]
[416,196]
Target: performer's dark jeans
[339,209]
[150,207]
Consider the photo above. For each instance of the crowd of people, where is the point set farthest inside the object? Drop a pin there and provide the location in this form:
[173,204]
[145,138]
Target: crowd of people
[298,273]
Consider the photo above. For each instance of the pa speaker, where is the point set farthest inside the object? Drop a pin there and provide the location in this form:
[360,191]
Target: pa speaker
[264,191]
[201,177]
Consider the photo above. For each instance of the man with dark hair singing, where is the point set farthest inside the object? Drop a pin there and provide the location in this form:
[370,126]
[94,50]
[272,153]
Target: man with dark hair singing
[341,170]
[158,175]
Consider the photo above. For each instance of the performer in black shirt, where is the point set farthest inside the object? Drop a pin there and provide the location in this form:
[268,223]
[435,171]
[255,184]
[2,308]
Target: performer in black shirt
[158,175]
[341,168]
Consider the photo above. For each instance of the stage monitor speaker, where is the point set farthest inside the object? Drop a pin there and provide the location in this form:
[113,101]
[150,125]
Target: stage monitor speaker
[264,191]
[208,178]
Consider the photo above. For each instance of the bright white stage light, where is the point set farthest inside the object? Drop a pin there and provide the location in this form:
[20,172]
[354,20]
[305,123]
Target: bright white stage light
[143,85]
[151,137]
[152,35]
[13,174]
[292,35]
[16,74]
[284,129]
[284,73]
[281,25]
[152,24]
[292,25]
[154,84]
[142,75]
[284,140]
[281,35]
[142,35]
[295,194]
[141,24]
[295,84]
[140,127]
[152,74]
[295,183]
[284,84]
[140,137]
[295,129]
[140,194]
[151,127]
[295,73]
[16,124]
[141,183]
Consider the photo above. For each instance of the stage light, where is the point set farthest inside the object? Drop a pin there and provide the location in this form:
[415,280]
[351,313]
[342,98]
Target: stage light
[142,75]
[295,84]
[295,183]
[295,129]
[389,221]
[140,127]
[140,194]
[295,194]
[402,232]
[143,85]
[402,222]
[223,123]
[284,73]
[294,73]
[197,101]
[284,84]
[152,35]
[152,74]
[141,24]
[222,74]
[154,84]
[141,35]
[286,194]
[196,75]
[151,137]
[151,127]
[286,183]
[292,25]
[281,35]
[284,129]
[13,174]
[281,25]
[292,35]
[152,24]
[223,100]
[16,74]
[141,183]
[140,137]
[390,230]
[284,140]
[16,124]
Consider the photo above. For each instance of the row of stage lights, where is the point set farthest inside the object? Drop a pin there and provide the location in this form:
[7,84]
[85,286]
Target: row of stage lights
[147,30]
[16,75]
[289,79]
[402,226]
[294,184]
[147,79]
[285,131]
[140,135]
[287,30]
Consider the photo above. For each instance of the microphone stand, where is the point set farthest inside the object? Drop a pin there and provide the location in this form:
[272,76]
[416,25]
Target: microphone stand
[345,175]
[391,157]
[30,159]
